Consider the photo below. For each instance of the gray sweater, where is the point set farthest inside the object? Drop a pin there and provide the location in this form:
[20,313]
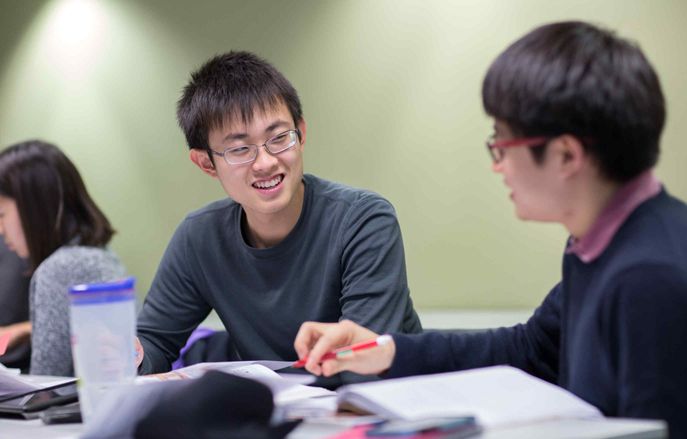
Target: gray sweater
[343,259]
[49,302]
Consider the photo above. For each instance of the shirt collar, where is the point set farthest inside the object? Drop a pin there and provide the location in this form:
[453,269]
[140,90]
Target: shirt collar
[622,204]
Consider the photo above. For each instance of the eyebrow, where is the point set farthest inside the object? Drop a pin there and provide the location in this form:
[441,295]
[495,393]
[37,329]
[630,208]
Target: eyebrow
[243,135]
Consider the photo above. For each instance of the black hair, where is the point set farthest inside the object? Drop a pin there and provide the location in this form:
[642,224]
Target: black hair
[576,78]
[232,85]
[53,204]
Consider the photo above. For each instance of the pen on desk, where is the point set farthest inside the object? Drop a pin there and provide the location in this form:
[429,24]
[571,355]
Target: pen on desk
[348,350]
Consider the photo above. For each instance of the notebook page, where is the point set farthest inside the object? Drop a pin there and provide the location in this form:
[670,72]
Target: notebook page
[499,395]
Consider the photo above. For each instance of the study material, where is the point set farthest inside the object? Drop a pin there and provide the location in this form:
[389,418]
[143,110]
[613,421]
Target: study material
[396,430]
[496,396]
[4,341]
[315,407]
[30,405]
[435,428]
[286,388]
[348,350]
[11,370]
[13,385]
[198,369]
[337,426]
[62,414]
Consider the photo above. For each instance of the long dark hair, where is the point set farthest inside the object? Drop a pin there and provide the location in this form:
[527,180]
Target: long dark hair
[53,204]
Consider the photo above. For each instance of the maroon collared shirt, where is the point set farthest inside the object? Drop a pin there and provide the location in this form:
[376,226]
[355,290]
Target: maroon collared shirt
[622,204]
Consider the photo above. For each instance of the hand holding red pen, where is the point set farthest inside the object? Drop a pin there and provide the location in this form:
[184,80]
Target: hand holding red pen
[320,344]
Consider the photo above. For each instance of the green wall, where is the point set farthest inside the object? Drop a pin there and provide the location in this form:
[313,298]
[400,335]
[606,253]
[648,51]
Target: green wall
[391,94]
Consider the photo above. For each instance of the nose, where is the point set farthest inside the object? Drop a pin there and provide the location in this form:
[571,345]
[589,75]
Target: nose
[497,167]
[264,161]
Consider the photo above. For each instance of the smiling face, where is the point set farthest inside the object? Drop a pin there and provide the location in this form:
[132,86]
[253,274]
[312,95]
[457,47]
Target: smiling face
[270,188]
[11,228]
[535,190]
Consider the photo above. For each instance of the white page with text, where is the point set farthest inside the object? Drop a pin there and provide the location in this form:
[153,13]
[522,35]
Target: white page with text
[498,395]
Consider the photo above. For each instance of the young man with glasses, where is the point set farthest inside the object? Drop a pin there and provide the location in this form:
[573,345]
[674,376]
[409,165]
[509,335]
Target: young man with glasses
[284,247]
[578,116]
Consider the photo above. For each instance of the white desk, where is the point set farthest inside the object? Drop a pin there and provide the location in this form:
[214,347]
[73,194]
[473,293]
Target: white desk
[35,429]
[564,429]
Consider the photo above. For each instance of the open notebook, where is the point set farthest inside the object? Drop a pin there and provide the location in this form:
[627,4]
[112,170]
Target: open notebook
[14,385]
[285,387]
[496,396]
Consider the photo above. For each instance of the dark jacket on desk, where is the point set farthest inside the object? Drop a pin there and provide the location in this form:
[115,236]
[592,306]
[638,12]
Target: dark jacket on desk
[215,406]
[613,331]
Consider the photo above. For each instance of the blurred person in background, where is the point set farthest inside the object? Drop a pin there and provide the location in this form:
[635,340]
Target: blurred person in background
[14,309]
[48,217]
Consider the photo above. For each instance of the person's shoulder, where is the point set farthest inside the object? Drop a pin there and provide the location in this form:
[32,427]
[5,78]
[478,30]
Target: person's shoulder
[656,229]
[671,210]
[208,221]
[653,285]
[342,193]
[649,252]
[68,255]
[76,261]
[216,209]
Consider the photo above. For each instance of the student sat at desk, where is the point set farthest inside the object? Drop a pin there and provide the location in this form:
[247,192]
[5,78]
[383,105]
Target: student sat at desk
[578,113]
[284,247]
[48,217]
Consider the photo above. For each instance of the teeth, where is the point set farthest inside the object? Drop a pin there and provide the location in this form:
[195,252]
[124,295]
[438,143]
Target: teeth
[268,184]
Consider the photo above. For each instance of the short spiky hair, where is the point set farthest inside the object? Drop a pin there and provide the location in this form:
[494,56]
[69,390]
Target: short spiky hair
[232,85]
[575,78]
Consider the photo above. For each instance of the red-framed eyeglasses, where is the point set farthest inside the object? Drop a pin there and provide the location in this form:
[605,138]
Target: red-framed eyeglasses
[496,147]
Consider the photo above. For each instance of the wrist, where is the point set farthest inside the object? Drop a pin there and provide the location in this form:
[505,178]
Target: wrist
[388,355]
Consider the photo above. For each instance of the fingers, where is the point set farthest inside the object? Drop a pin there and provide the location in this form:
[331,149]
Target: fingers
[332,367]
[307,336]
[314,340]
[371,361]
[332,336]
[139,351]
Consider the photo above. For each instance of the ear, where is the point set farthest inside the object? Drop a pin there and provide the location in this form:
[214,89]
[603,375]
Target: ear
[201,159]
[569,154]
[302,128]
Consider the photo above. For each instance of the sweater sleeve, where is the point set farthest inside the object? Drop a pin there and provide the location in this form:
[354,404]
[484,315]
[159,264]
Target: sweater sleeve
[173,307]
[51,352]
[646,338]
[50,347]
[374,285]
[533,346]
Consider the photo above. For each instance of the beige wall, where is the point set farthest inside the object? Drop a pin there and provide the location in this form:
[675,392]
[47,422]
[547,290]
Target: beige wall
[390,90]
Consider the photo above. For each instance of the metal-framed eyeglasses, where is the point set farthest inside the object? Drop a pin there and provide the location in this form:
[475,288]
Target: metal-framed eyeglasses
[239,155]
[496,147]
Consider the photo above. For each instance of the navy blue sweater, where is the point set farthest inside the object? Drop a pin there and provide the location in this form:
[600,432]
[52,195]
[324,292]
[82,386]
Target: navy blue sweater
[613,331]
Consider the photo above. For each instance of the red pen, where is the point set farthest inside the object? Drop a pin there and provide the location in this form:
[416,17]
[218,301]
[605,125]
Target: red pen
[348,350]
